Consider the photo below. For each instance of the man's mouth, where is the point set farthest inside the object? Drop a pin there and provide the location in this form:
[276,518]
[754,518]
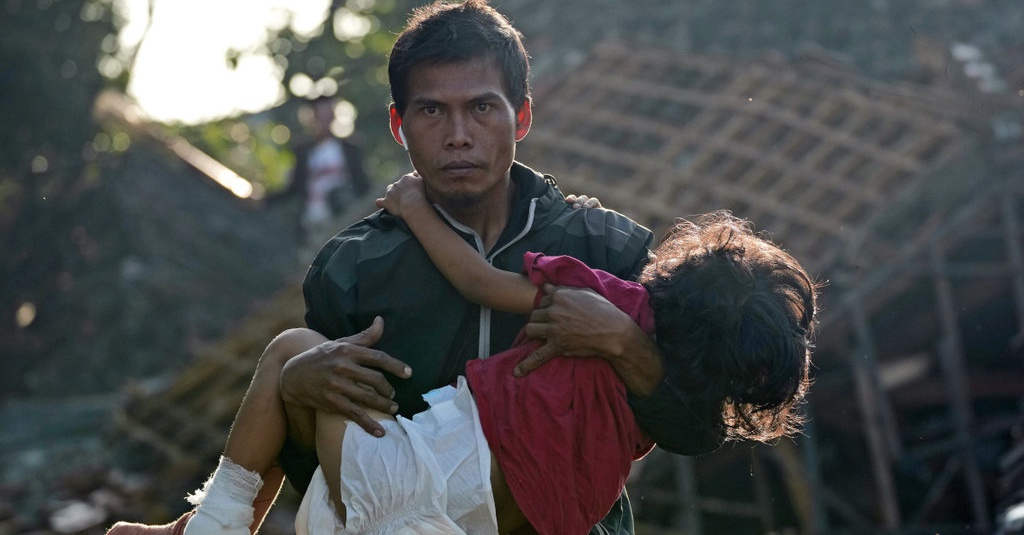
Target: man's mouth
[460,166]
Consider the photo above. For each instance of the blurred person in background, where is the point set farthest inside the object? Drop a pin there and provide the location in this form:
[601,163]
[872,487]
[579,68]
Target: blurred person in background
[328,174]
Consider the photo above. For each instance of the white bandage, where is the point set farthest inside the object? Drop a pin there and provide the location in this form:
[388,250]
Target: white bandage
[224,503]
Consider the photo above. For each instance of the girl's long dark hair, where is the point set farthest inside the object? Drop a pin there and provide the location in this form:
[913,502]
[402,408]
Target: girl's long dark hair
[735,316]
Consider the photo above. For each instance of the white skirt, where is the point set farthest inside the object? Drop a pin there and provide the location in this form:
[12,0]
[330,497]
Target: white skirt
[429,475]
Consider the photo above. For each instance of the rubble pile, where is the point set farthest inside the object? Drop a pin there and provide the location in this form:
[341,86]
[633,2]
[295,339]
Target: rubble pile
[85,500]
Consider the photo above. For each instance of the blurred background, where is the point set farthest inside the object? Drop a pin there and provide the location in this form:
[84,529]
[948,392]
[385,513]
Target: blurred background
[150,246]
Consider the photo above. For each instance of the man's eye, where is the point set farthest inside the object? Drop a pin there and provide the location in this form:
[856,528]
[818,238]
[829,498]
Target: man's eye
[483,107]
[430,110]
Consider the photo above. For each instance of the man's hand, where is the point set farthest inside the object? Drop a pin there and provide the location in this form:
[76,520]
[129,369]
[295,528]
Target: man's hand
[578,322]
[344,376]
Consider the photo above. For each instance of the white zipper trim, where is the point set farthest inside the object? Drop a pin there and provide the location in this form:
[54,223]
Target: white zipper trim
[483,348]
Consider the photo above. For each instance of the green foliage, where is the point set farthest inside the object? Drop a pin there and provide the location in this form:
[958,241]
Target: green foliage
[349,54]
[58,227]
[256,147]
[346,57]
[48,81]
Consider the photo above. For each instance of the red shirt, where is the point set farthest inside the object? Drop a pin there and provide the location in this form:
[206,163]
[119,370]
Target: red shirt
[563,435]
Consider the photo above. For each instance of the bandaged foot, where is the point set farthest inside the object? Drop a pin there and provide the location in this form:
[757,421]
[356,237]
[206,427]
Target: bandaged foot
[224,504]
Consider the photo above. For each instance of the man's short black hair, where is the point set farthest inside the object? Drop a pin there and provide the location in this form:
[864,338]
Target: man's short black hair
[445,32]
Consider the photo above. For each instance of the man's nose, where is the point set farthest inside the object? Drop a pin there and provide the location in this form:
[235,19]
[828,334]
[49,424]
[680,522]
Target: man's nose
[459,133]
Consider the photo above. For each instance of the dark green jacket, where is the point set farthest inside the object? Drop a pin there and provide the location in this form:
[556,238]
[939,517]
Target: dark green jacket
[376,267]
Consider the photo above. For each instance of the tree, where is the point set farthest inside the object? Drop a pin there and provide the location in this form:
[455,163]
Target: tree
[62,251]
[346,56]
[352,51]
[48,83]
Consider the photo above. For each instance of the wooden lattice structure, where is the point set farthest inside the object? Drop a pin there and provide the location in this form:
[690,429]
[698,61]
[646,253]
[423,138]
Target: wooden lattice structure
[889,193]
[187,420]
[812,156]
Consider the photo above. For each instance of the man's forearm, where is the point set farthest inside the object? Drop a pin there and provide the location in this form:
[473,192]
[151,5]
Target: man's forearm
[637,361]
[579,322]
[668,416]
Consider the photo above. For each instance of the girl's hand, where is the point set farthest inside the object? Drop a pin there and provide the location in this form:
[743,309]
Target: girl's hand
[403,195]
[582,201]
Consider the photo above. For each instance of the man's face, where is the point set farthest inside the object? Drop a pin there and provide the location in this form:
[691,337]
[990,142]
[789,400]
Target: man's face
[323,116]
[461,132]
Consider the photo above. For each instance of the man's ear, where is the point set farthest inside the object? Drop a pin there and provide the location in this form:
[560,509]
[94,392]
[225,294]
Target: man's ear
[395,121]
[524,118]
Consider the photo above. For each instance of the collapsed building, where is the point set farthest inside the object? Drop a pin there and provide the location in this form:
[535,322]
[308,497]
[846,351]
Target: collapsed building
[900,197]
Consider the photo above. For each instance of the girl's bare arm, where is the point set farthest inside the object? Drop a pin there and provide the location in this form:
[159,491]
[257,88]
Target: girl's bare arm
[472,276]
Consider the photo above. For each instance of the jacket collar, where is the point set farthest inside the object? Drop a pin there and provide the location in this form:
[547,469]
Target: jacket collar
[536,201]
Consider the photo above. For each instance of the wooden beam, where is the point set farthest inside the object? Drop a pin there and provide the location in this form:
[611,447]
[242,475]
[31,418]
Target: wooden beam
[1015,252]
[951,357]
[688,516]
[876,424]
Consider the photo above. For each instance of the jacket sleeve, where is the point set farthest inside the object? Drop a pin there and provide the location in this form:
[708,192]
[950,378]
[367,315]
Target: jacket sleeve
[326,301]
[618,521]
[300,463]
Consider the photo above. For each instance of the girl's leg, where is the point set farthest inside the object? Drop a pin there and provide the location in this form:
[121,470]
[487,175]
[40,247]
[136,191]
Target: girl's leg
[248,479]
[330,435]
[260,427]
[510,518]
